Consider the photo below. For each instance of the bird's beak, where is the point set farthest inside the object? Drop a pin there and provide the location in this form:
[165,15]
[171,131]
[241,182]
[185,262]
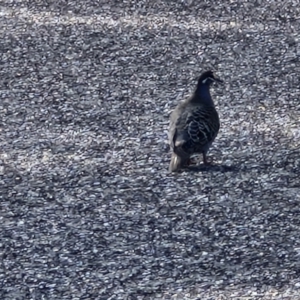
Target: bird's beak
[218,80]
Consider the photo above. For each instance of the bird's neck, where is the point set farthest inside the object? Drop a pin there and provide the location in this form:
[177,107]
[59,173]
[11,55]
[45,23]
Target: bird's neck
[202,93]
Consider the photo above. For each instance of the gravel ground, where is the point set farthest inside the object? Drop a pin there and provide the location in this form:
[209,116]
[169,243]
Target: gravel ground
[88,207]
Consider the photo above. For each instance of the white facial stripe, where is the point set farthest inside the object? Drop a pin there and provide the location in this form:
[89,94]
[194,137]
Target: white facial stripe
[204,81]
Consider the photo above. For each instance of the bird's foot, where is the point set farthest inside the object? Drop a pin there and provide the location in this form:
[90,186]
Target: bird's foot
[207,162]
[191,162]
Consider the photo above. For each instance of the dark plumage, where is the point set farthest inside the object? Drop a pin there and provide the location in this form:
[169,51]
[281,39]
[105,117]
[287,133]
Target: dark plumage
[194,124]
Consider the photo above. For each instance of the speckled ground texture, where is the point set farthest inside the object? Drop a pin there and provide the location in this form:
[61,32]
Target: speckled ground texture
[88,207]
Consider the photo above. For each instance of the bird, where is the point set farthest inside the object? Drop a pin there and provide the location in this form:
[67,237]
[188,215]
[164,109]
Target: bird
[194,124]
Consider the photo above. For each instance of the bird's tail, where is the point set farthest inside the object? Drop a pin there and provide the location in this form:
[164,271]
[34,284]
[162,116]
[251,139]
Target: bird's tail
[176,163]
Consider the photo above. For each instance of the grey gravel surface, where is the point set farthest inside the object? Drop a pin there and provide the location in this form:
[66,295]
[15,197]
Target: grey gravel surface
[88,207]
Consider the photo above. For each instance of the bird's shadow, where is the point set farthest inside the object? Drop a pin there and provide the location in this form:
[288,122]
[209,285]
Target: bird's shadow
[212,168]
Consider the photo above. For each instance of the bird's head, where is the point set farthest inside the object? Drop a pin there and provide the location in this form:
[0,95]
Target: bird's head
[207,78]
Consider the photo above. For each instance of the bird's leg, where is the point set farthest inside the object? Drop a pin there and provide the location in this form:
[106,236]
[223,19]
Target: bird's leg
[188,162]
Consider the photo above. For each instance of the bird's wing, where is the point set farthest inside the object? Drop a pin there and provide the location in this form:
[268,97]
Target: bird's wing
[202,125]
[175,117]
[196,128]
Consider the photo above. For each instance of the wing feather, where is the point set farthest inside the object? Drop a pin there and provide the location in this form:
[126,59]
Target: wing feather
[196,129]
